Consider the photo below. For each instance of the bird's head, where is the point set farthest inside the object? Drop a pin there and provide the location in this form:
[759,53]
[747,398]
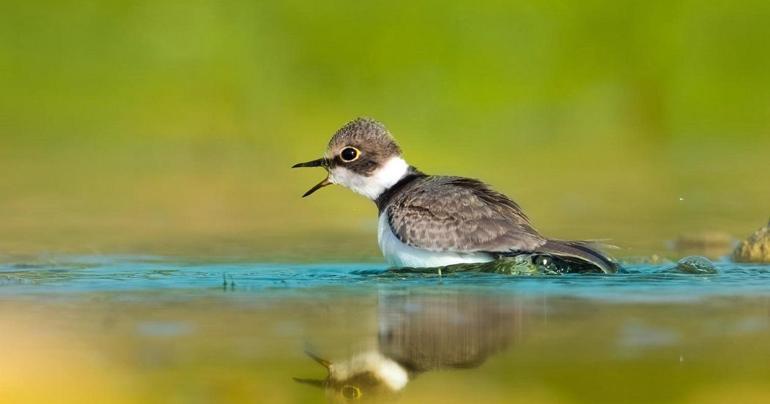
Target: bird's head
[367,377]
[363,157]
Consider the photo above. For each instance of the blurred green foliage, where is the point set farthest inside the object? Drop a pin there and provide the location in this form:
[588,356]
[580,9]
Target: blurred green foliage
[169,126]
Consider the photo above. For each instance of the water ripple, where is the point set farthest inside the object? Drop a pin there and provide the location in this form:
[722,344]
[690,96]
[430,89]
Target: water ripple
[639,282]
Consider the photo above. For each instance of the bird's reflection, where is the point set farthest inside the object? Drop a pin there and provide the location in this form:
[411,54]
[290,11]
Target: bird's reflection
[419,333]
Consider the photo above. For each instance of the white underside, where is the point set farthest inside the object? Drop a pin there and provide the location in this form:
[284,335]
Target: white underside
[385,370]
[400,255]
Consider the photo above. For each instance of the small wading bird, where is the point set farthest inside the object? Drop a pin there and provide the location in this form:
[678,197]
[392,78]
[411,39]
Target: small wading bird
[417,334]
[435,221]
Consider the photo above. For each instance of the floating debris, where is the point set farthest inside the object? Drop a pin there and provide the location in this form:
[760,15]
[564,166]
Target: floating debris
[227,285]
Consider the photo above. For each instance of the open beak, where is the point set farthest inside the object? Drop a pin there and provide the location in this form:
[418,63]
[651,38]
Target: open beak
[311,382]
[321,361]
[315,382]
[315,163]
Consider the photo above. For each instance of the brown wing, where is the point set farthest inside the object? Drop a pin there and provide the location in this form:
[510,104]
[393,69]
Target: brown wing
[460,215]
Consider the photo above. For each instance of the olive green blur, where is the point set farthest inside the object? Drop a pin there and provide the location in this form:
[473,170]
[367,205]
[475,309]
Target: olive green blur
[169,127]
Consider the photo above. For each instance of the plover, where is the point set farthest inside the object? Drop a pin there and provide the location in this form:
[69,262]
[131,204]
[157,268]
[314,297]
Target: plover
[416,334]
[437,221]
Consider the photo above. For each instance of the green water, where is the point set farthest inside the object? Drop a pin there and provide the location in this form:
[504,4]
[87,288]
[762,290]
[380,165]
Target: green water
[153,329]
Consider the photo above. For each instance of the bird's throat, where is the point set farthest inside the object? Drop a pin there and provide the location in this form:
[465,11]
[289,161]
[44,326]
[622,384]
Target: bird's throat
[374,185]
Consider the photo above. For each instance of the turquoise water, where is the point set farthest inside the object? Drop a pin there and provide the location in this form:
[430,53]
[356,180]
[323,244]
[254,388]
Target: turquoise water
[126,273]
[157,329]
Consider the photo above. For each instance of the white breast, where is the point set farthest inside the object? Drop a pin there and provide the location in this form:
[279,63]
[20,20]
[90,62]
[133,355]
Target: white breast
[386,370]
[400,255]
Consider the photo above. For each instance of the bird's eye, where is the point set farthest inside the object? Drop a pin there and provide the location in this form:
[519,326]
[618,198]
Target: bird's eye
[351,392]
[349,154]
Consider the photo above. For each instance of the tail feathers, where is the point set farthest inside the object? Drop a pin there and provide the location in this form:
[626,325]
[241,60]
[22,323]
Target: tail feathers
[580,253]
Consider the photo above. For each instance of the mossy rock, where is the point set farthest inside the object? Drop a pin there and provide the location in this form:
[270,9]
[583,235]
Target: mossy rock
[756,248]
[695,265]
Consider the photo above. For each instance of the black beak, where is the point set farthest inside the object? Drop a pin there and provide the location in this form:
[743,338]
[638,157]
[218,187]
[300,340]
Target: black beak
[313,163]
[321,361]
[322,162]
[315,382]
[311,382]
[318,186]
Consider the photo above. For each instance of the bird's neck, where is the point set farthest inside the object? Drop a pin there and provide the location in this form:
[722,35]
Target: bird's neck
[390,173]
[409,175]
[372,186]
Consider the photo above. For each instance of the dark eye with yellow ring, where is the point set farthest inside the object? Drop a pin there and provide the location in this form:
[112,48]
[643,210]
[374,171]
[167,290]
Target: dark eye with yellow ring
[351,392]
[349,154]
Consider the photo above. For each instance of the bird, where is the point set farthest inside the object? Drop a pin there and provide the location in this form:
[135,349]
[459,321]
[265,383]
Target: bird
[428,221]
[418,333]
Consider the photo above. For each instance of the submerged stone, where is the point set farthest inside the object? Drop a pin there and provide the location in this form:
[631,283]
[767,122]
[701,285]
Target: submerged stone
[528,264]
[695,264]
[756,248]
[516,265]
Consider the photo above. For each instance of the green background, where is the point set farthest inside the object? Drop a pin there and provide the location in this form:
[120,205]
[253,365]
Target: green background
[165,127]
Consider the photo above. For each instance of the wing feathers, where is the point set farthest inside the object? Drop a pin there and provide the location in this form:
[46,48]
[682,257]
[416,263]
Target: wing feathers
[459,215]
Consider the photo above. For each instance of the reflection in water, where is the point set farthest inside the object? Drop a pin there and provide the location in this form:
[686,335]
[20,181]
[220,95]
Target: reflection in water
[419,333]
[101,330]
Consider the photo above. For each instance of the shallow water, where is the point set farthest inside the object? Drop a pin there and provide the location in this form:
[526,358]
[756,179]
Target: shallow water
[154,329]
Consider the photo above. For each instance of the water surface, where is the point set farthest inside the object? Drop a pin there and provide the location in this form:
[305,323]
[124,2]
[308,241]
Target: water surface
[154,329]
